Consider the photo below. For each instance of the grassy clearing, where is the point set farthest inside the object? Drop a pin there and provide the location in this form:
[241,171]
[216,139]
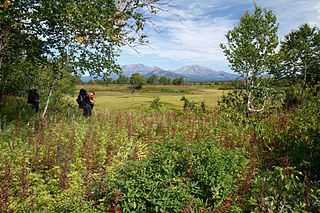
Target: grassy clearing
[120,97]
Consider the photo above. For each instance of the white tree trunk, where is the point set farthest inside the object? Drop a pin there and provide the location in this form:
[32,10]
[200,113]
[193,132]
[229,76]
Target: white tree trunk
[52,85]
[250,106]
[50,92]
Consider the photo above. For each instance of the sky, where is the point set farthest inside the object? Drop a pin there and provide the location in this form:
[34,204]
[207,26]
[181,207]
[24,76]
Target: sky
[190,31]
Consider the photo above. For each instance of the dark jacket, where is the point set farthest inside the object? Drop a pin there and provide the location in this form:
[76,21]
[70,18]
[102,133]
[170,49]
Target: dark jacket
[83,99]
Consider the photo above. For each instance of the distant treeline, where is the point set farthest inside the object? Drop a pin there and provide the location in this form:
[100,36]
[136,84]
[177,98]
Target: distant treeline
[139,80]
[154,80]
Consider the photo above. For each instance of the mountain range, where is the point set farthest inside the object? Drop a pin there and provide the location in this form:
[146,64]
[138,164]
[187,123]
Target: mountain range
[191,73]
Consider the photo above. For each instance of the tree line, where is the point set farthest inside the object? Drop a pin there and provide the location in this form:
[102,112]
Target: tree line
[137,79]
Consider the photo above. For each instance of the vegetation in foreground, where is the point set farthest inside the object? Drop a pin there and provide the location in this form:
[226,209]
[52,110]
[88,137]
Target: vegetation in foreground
[188,160]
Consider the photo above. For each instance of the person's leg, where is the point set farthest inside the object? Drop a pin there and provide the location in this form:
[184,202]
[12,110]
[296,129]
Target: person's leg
[37,107]
[87,111]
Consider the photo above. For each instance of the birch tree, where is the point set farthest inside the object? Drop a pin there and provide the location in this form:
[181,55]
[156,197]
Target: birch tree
[251,52]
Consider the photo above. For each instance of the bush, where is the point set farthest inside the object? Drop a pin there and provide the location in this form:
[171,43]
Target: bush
[291,98]
[155,104]
[178,176]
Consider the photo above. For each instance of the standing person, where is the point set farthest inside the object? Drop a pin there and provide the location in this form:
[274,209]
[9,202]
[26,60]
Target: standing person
[34,99]
[91,94]
[84,102]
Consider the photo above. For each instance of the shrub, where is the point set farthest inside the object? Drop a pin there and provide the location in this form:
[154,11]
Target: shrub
[155,104]
[175,173]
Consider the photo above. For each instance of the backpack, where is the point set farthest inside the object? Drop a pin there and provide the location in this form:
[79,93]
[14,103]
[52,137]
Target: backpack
[80,101]
[30,97]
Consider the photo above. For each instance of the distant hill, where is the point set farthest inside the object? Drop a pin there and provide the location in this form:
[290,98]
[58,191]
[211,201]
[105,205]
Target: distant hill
[201,73]
[190,73]
[162,73]
[128,70]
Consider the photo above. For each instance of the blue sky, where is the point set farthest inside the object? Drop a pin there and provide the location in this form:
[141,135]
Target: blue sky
[191,30]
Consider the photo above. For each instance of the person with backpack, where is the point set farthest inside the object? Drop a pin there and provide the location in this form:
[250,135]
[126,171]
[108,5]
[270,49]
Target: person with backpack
[34,99]
[83,101]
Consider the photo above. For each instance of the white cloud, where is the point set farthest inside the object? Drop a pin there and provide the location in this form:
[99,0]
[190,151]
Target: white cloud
[192,31]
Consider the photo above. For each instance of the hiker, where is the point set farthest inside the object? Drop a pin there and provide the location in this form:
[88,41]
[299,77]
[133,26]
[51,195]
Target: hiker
[84,102]
[34,99]
[91,94]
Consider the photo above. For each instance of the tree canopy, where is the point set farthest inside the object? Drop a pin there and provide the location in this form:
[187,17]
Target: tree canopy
[300,54]
[251,52]
[88,31]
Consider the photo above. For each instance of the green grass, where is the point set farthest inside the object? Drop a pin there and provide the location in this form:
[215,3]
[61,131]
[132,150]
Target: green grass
[120,97]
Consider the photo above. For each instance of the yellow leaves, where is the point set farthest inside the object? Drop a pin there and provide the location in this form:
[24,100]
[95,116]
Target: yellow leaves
[118,39]
[69,14]
[114,37]
[5,4]
[119,6]
[120,21]
[79,39]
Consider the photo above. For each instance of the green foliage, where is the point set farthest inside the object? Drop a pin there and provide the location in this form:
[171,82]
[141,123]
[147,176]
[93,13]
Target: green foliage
[122,80]
[176,173]
[178,81]
[300,53]
[292,98]
[137,81]
[296,134]
[190,105]
[234,100]
[283,189]
[73,27]
[165,81]
[160,160]
[152,80]
[155,104]
[251,52]
[251,44]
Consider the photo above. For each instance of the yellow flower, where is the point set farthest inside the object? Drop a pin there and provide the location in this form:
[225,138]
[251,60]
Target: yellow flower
[120,21]
[5,4]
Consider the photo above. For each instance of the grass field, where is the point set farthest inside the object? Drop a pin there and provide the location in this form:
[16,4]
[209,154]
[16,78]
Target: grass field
[120,97]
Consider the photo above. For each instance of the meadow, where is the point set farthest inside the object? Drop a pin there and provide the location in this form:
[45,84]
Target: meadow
[174,157]
[120,97]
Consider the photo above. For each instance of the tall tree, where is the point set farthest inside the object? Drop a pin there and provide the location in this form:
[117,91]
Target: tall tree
[137,80]
[250,51]
[122,80]
[300,53]
[152,80]
[178,81]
